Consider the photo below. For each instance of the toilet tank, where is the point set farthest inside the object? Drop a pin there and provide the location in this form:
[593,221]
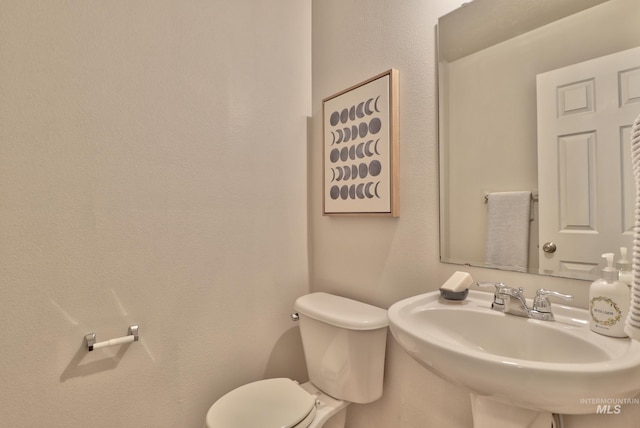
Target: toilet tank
[344,345]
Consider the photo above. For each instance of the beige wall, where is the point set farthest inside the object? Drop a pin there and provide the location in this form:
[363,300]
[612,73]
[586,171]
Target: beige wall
[152,171]
[381,260]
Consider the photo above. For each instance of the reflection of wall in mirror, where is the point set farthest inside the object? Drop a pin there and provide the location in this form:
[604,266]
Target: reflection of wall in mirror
[497,152]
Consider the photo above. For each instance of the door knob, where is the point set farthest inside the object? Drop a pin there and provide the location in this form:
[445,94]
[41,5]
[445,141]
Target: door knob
[549,247]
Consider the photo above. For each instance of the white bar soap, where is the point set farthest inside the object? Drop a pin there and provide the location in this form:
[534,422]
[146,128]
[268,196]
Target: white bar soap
[457,286]
[459,281]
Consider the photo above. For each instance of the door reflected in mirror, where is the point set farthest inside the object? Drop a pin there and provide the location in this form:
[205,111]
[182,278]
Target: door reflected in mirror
[491,53]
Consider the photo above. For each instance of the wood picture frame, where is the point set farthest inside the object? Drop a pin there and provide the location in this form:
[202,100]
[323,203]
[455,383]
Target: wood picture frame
[361,148]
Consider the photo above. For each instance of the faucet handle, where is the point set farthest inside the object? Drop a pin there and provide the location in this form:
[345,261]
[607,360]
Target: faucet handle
[497,285]
[498,301]
[541,302]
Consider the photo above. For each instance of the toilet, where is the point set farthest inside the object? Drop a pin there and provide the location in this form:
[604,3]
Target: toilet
[344,345]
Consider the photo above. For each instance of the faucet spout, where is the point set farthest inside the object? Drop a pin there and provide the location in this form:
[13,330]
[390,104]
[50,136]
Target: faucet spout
[514,302]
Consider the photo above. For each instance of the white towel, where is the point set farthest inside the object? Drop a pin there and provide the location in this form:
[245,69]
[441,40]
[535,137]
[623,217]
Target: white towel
[632,325]
[508,218]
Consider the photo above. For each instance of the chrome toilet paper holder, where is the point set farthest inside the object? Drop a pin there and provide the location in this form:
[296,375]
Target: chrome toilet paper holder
[132,336]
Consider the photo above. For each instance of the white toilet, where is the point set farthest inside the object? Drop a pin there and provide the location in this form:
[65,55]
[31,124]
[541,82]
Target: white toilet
[344,344]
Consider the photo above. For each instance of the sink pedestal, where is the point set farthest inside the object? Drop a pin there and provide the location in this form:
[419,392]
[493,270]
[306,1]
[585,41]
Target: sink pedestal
[490,413]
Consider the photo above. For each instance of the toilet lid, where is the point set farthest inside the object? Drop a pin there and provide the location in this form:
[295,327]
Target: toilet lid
[271,403]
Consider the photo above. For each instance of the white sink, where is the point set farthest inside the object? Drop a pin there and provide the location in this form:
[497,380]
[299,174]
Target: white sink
[556,366]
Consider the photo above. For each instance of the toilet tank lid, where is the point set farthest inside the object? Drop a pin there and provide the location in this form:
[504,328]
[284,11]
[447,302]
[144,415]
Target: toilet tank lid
[341,311]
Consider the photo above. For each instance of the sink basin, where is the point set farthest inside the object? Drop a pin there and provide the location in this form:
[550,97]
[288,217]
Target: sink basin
[556,366]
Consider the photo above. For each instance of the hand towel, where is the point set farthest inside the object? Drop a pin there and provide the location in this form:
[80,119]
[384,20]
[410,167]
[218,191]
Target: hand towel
[508,219]
[632,324]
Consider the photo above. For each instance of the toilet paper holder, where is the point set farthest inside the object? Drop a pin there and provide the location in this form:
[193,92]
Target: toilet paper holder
[132,336]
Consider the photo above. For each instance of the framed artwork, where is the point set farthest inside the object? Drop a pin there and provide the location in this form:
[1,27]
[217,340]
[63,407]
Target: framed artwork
[360,148]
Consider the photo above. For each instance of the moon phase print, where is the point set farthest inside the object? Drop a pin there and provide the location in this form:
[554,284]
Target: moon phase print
[361,153]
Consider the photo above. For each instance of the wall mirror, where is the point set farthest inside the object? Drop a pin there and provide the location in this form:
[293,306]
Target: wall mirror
[499,100]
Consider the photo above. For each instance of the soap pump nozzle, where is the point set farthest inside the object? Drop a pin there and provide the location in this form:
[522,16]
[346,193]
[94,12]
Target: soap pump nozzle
[623,264]
[609,272]
[624,267]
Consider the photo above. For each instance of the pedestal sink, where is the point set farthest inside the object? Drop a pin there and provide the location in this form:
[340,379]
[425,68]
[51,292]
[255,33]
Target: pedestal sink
[517,365]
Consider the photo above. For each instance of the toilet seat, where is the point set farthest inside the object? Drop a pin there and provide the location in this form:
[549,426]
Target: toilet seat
[277,403]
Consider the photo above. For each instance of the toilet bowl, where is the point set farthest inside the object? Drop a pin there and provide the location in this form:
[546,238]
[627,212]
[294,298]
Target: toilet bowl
[344,344]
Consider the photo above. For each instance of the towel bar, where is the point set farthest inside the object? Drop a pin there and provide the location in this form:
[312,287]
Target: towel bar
[534,197]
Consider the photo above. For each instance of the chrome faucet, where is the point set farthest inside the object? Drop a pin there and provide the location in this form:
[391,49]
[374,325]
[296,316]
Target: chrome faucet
[512,301]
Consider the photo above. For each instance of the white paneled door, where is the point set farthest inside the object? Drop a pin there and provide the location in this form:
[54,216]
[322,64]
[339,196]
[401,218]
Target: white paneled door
[586,186]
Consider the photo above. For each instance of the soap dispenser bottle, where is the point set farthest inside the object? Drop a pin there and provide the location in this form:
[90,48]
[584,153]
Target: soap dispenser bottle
[609,302]
[624,267]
